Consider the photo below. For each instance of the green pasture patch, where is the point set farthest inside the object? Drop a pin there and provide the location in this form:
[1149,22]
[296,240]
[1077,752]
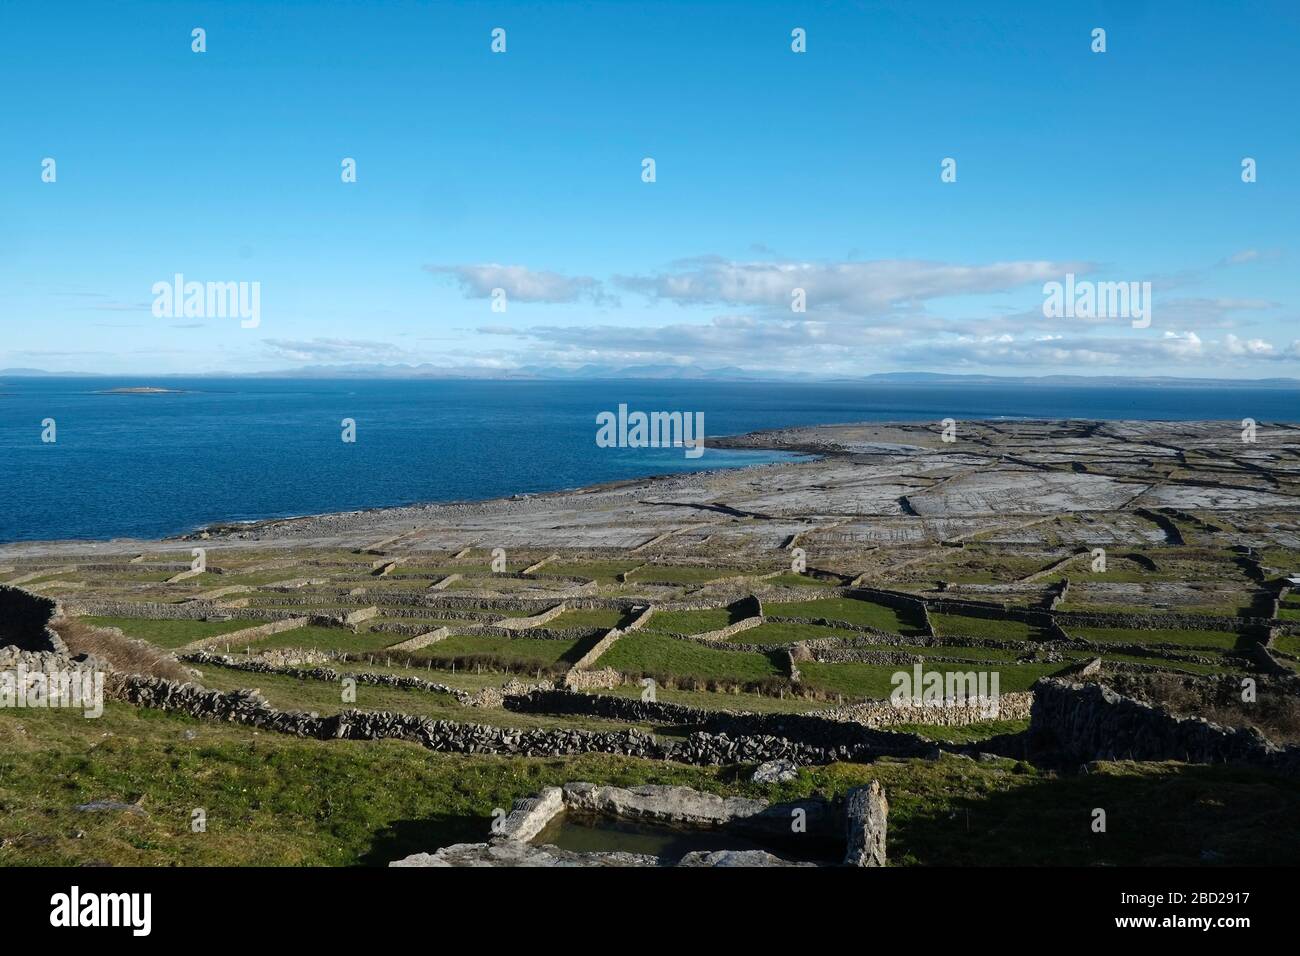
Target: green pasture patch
[850,611]
[170,634]
[689,622]
[786,632]
[657,654]
[278,800]
[518,651]
[680,574]
[597,617]
[604,572]
[1289,643]
[313,637]
[964,733]
[874,681]
[734,700]
[802,581]
[960,625]
[1225,640]
[326,698]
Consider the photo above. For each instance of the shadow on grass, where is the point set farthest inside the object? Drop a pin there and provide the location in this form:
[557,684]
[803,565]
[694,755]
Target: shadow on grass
[401,838]
[1182,815]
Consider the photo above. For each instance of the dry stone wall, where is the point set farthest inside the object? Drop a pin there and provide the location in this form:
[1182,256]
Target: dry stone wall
[1078,723]
[25,618]
[723,633]
[817,732]
[421,640]
[189,611]
[596,650]
[248,634]
[535,620]
[954,713]
[398,681]
[580,677]
[702,748]
[1158,622]
[602,679]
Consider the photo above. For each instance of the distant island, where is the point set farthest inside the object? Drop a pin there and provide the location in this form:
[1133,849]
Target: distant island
[140,390]
[614,372]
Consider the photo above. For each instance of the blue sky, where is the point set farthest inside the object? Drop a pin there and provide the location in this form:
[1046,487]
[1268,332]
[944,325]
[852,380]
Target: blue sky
[775,170]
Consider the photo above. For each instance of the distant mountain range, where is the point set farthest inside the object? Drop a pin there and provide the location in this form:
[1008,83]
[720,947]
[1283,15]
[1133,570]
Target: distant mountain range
[675,372]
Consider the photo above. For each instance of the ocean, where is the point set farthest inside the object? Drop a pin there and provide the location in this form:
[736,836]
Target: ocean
[134,465]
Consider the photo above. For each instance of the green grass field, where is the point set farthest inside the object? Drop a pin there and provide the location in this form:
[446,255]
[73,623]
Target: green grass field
[1290,643]
[1225,640]
[679,574]
[277,800]
[960,651]
[605,572]
[516,651]
[657,654]
[874,680]
[783,632]
[603,618]
[323,639]
[722,700]
[170,634]
[849,610]
[689,622]
[1207,610]
[801,581]
[326,697]
[959,625]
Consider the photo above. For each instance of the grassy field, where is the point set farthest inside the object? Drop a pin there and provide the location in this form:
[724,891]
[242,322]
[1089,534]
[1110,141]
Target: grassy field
[849,610]
[170,634]
[974,568]
[515,651]
[600,617]
[325,697]
[801,581]
[962,652]
[426,572]
[656,654]
[873,680]
[719,700]
[1207,610]
[966,733]
[959,625]
[1287,642]
[606,572]
[278,800]
[782,632]
[431,623]
[689,622]
[1225,640]
[679,574]
[324,639]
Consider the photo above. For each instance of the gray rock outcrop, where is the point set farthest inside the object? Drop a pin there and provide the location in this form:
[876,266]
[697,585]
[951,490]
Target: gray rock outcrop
[866,822]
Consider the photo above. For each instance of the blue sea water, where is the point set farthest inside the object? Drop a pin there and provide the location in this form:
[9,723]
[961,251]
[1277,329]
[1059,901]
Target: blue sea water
[243,449]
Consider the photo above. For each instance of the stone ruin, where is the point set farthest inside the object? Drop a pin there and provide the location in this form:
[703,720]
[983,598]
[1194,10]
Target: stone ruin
[860,820]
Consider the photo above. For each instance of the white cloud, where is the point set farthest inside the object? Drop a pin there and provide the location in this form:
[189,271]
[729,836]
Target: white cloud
[522,284]
[854,288]
[335,350]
